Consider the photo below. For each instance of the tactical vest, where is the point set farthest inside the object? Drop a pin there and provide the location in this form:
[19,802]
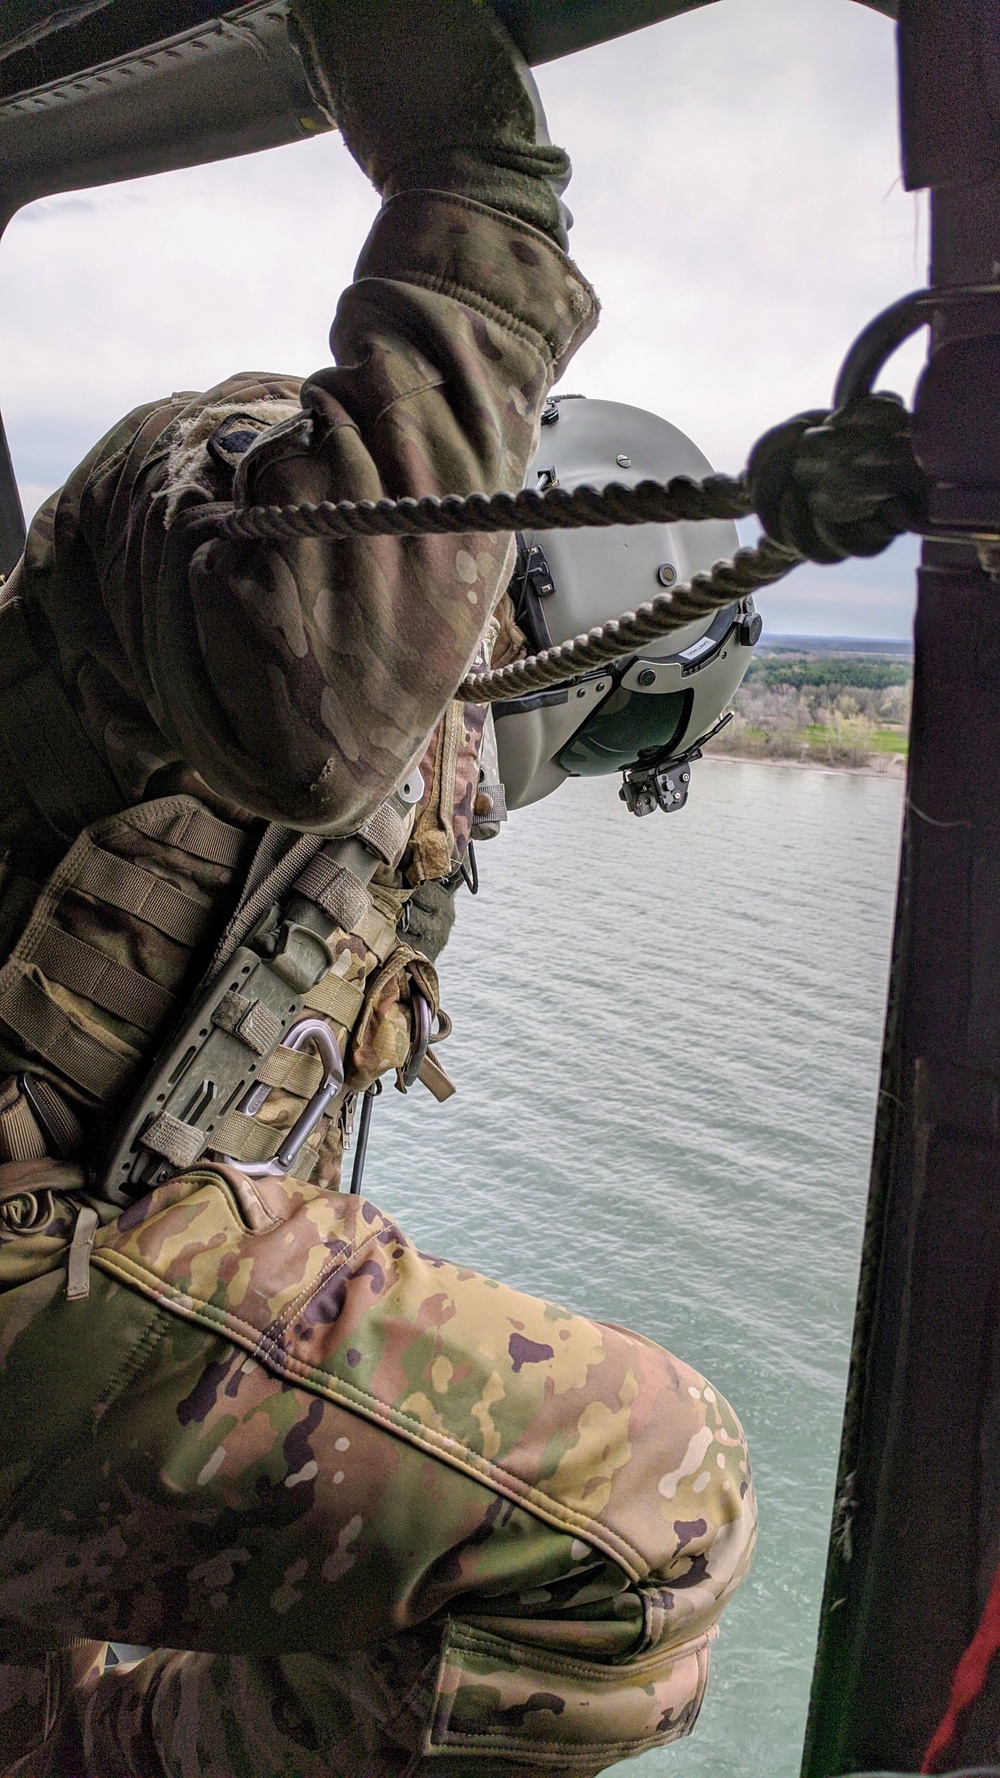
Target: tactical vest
[188,983]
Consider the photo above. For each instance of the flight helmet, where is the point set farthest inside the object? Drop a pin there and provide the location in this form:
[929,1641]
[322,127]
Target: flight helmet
[646,714]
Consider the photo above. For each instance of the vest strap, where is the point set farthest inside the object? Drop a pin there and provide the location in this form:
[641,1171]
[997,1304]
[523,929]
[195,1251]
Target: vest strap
[116,987]
[341,895]
[379,934]
[337,999]
[387,830]
[176,1141]
[21,1138]
[249,1020]
[242,1138]
[149,897]
[292,1071]
[206,836]
[53,1036]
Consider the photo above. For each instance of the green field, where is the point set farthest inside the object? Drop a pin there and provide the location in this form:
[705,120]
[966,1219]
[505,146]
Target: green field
[883,740]
[825,708]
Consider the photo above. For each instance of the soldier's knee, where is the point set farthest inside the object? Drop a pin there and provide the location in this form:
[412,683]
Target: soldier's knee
[616,1638]
[658,1464]
[704,1493]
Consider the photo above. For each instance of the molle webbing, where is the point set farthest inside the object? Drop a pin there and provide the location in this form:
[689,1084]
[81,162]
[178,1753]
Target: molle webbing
[249,1020]
[231,1080]
[204,835]
[143,893]
[114,986]
[104,967]
[109,946]
[62,1046]
[335,889]
[387,830]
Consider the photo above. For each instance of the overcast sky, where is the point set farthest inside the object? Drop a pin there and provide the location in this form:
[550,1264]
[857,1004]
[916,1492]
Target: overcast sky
[737,204]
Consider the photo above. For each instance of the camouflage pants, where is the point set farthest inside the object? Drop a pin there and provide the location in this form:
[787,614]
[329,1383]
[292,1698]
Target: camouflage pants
[400,1518]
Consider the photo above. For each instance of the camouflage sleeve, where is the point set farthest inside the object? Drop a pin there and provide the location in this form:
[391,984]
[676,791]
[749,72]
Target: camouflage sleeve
[301,679]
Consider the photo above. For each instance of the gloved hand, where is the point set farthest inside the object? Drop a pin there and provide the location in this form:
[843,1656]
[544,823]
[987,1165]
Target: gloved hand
[834,485]
[434,94]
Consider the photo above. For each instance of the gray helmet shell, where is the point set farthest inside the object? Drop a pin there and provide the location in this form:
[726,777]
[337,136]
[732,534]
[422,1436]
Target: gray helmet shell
[656,704]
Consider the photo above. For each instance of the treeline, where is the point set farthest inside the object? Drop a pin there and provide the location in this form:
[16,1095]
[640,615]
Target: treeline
[847,673]
[840,710]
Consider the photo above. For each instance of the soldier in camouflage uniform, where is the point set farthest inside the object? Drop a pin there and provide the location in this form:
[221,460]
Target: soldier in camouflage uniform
[400,1518]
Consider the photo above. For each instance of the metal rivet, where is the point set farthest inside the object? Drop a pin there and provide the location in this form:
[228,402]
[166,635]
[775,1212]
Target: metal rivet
[582,692]
[624,462]
[647,676]
[666,574]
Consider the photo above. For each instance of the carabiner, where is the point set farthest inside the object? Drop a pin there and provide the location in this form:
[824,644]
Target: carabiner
[423,1023]
[284,1159]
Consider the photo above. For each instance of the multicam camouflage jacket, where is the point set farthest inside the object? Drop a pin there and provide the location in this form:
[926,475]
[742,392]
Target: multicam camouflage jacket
[219,685]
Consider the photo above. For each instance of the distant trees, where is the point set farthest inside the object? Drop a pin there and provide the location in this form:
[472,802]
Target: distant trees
[843,671]
[843,710]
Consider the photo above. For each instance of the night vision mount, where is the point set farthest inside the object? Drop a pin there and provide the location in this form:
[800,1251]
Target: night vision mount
[665,785]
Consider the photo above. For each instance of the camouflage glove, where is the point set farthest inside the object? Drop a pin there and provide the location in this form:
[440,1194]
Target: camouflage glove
[434,96]
[839,484]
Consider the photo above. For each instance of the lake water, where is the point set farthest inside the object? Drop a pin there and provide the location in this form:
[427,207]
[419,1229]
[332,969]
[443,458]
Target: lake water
[666,1044]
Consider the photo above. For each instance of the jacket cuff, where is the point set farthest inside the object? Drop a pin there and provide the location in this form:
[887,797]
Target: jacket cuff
[487,260]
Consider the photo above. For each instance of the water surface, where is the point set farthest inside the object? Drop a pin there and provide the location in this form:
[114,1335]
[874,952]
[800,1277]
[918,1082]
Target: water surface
[666,1043]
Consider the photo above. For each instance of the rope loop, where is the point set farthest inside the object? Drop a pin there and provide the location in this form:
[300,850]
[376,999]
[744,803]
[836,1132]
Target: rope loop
[826,485]
[699,597]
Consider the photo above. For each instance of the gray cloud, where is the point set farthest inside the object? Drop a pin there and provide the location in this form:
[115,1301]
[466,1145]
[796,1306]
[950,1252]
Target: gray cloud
[738,208]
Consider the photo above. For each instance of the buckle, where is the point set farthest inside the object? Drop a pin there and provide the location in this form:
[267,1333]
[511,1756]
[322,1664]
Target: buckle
[318,1032]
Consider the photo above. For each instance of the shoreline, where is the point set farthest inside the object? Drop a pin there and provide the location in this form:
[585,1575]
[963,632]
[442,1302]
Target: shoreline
[895,764]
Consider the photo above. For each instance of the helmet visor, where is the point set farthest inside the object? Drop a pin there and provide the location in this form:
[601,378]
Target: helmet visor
[626,728]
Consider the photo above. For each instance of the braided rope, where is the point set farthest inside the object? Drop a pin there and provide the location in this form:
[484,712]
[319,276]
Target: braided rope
[669,611]
[553,509]
[550,509]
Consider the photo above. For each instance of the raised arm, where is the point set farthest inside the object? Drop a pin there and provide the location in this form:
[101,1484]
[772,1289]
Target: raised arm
[301,679]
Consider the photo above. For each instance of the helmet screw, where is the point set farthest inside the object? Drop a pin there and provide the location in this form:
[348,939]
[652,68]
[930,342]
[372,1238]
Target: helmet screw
[623,462]
[647,676]
[666,574]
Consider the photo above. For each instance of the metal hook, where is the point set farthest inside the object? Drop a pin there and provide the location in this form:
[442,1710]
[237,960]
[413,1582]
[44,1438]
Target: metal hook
[368,1099]
[423,1020]
[878,341]
[319,1033]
